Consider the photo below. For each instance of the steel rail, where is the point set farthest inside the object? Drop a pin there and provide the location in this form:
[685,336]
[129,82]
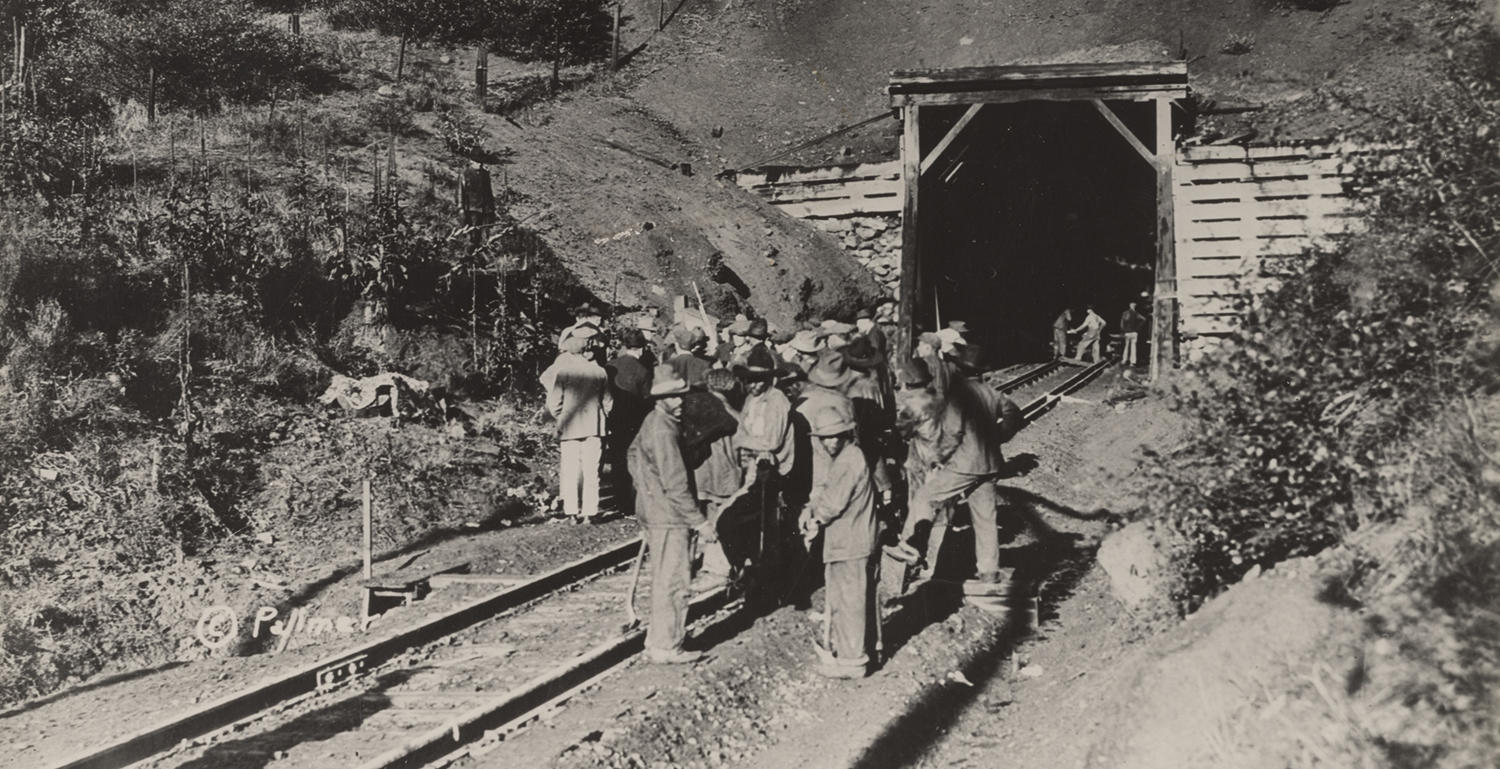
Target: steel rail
[237,707]
[521,703]
[1038,373]
[1044,403]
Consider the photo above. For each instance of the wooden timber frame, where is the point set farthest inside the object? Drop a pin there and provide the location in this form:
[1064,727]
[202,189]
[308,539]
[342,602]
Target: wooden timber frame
[1159,82]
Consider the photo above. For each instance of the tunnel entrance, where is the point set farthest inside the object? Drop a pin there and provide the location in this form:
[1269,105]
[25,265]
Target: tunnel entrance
[1042,208]
[1034,189]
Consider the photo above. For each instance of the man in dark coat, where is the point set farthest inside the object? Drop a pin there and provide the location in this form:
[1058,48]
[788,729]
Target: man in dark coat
[667,506]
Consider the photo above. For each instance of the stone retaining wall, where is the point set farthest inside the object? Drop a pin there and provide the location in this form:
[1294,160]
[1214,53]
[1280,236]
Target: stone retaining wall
[874,242]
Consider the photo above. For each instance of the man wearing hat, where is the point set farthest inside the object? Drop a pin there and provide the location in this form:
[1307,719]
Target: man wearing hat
[843,510]
[631,387]
[667,507]
[929,351]
[765,431]
[585,313]
[865,326]
[1092,328]
[718,481]
[836,333]
[825,390]
[1060,333]
[975,420]
[803,350]
[690,362]
[874,408]
[579,398]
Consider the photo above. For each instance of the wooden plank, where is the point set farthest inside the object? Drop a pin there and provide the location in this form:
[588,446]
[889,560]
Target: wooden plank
[824,209]
[1223,152]
[1208,268]
[911,266]
[1263,209]
[790,175]
[1210,305]
[1164,329]
[1206,249]
[1210,325]
[1312,167]
[953,133]
[1207,190]
[1130,137]
[1024,74]
[1106,93]
[832,190]
[1266,228]
[1192,289]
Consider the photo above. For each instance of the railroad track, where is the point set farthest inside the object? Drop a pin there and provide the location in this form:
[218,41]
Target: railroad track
[411,699]
[464,678]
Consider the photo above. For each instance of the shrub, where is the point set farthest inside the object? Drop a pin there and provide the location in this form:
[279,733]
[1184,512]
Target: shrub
[1304,411]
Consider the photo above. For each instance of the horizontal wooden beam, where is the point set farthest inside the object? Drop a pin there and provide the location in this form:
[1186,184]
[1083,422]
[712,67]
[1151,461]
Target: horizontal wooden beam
[1105,92]
[1037,75]
[953,133]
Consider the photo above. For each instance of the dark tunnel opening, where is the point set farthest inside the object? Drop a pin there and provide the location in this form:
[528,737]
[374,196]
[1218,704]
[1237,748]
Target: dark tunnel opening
[1036,207]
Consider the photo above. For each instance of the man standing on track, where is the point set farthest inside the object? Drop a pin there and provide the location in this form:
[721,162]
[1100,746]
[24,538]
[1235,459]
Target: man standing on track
[667,505]
[1092,328]
[844,510]
[1131,323]
[1060,334]
[579,398]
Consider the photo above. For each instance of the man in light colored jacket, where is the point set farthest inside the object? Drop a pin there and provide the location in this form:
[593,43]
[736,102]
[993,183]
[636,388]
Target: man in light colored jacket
[578,397]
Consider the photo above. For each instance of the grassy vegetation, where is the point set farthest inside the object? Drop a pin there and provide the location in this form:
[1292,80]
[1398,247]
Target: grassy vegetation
[175,295]
[1357,407]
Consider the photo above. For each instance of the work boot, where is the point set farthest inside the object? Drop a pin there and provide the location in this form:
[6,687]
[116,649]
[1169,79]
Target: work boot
[672,656]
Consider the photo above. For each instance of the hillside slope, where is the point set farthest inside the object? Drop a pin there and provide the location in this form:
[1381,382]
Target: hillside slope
[773,73]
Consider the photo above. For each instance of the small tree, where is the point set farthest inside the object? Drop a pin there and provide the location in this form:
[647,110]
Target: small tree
[557,31]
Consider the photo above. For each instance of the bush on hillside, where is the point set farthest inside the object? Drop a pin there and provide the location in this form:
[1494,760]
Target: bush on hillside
[1305,409]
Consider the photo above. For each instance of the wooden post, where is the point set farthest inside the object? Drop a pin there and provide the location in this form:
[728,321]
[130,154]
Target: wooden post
[614,43]
[296,23]
[481,75]
[911,272]
[661,15]
[1164,317]
[369,566]
[401,58]
[151,96]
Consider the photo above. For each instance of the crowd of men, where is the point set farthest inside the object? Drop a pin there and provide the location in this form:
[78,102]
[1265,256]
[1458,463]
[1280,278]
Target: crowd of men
[752,448]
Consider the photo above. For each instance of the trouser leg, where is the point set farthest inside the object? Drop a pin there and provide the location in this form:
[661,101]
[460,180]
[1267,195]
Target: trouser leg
[982,509]
[848,604]
[589,454]
[1129,355]
[940,486]
[671,577]
[569,475]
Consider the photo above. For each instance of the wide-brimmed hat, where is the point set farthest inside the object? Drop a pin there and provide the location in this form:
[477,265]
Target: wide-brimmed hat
[667,383]
[829,421]
[587,310]
[959,326]
[831,370]
[861,354]
[580,331]
[791,373]
[759,365]
[686,337]
[930,339]
[914,373]
[758,329]
[807,342]
[950,337]
[864,313]
[740,326]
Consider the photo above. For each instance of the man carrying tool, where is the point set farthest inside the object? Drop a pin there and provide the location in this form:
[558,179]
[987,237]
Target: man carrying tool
[1092,328]
[843,509]
[668,509]
[975,420]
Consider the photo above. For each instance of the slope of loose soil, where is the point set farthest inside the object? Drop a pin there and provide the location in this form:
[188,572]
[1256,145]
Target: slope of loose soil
[774,73]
